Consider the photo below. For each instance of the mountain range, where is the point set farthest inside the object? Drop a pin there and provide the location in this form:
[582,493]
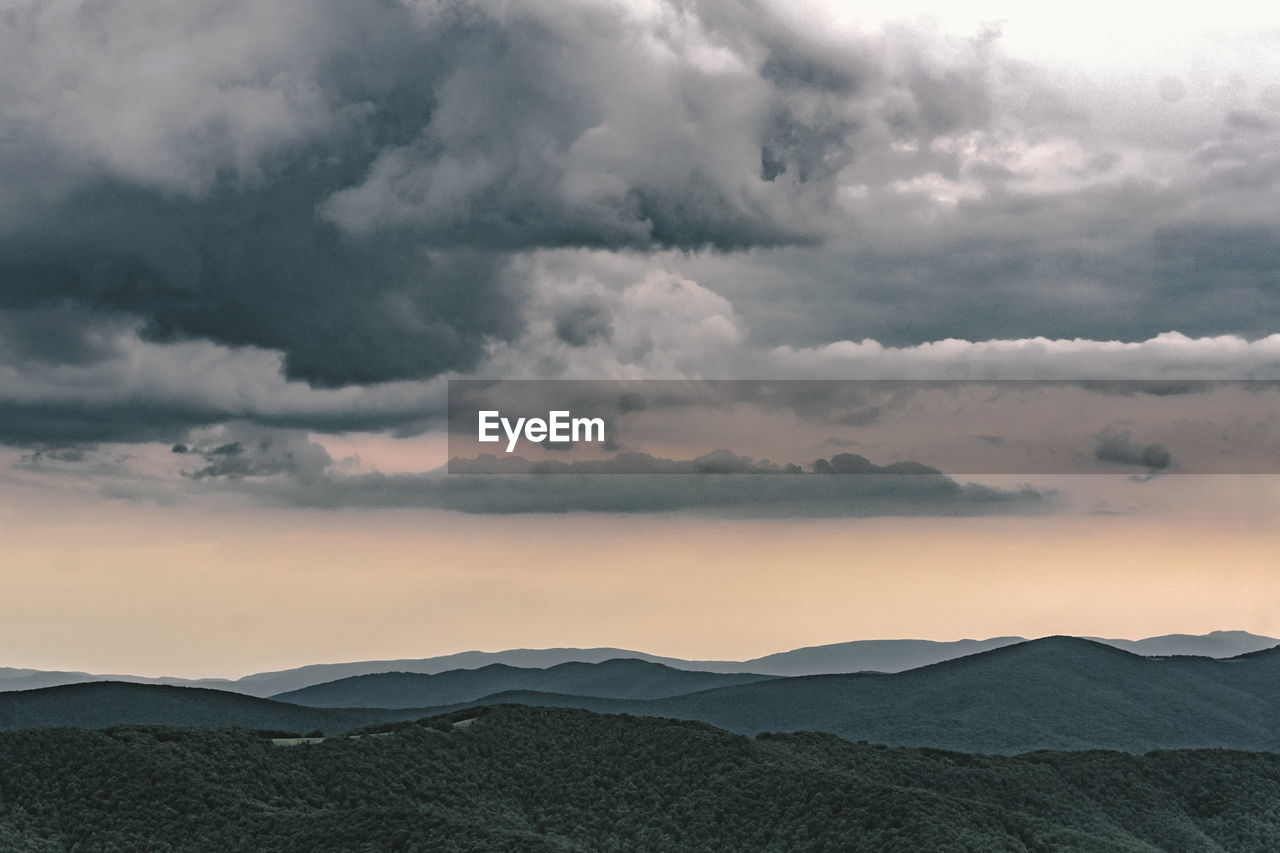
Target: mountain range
[1062,693]
[856,656]
[1054,693]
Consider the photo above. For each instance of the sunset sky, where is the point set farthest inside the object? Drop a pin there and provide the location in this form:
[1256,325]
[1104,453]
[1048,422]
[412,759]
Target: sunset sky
[244,247]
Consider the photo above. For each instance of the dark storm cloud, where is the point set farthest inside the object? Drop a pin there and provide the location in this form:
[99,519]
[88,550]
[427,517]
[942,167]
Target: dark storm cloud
[999,208]
[1200,280]
[583,323]
[720,483]
[810,150]
[58,333]
[1220,264]
[231,249]
[67,425]
[749,495]
[389,192]
[133,391]
[346,184]
[340,314]
[1116,448]
[789,66]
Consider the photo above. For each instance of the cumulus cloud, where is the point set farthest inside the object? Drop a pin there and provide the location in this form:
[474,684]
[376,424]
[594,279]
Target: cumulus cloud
[302,214]
[236,451]
[663,324]
[1167,355]
[128,390]
[346,185]
[602,316]
[1118,449]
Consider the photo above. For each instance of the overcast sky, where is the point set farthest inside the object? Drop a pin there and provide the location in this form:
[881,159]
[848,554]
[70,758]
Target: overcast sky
[244,245]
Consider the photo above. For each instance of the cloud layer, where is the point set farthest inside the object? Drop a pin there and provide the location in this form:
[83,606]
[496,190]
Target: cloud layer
[306,215]
[721,483]
[346,185]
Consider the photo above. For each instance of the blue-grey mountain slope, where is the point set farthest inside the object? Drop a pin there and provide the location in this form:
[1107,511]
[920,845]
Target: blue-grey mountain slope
[615,679]
[1215,644]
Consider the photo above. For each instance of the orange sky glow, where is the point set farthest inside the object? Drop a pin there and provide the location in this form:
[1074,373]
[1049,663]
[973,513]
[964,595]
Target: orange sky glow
[193,592]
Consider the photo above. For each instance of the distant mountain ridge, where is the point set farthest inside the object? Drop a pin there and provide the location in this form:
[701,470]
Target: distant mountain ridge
[855,656]
[620,678]
[1053,693]
[1216,644]
[1063,693]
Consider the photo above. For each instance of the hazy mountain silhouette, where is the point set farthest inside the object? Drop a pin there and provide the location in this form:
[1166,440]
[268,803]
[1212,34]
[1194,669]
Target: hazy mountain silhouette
[275,683]
[871,656]
[33,679]
[856,656]
[619,679]
[1215,644]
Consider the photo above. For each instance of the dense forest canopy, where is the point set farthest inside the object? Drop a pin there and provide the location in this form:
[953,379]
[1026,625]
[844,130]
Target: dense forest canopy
[520,778]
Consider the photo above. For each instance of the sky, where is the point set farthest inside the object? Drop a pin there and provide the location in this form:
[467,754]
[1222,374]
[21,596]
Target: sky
[244,248]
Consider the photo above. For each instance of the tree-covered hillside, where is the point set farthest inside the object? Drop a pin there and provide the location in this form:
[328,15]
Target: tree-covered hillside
[518,778]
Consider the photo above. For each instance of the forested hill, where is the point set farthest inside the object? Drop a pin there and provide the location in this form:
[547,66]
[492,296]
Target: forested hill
[525,779]
[109,703]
